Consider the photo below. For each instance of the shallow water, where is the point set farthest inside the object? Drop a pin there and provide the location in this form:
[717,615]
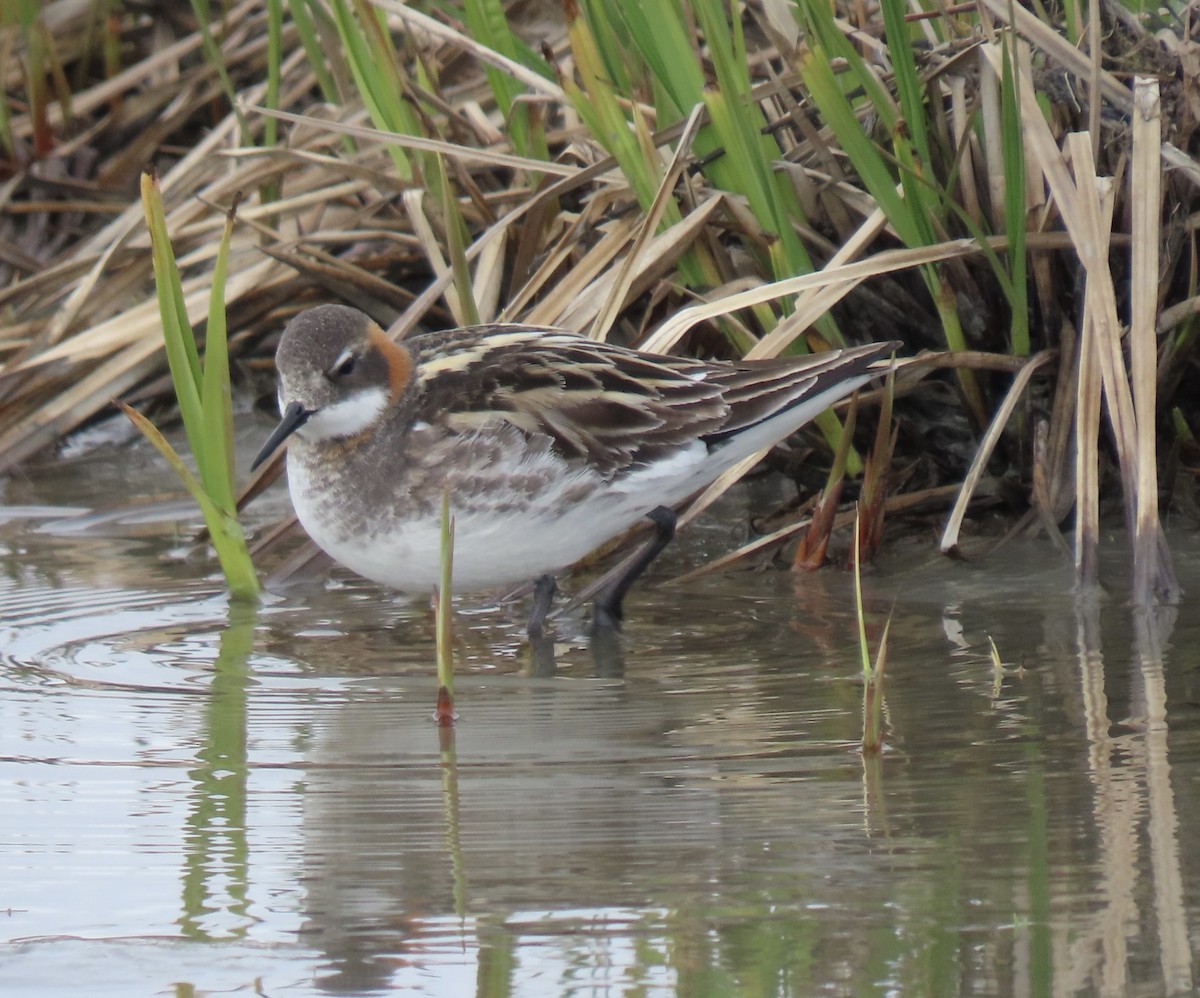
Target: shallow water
[199,799]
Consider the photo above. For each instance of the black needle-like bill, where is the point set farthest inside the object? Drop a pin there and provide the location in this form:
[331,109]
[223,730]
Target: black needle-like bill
[294,417]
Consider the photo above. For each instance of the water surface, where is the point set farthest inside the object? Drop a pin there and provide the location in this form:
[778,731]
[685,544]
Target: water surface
[204,799]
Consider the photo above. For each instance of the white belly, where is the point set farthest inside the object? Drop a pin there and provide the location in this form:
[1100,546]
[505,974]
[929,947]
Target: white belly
[489,551]
[498,540]
[503,535]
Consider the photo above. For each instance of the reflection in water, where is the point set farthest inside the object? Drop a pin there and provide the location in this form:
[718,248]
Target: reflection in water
[450,809]
[1131,776]
[216,854]
[1152,628]
[686,812]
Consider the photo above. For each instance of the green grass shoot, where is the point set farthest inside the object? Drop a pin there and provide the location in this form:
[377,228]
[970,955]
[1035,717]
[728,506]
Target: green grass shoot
[377,75]
[872,737]
[444,620]
[997,667]
[212,53]
[202,389]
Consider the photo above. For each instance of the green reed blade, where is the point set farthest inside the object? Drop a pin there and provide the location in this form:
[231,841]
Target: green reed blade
[224,529]
[906,76]
[664,43]
[203,395]
[864,155]
[182,356]
[909,215]
[216,463]
[864,649]
[748,169]
[445,646]
[306,29]
[1014,197]
[487,23]
[596,104]
[745,155]
[726,47]
[873,696]
[274,59]
[457,239]
[615,36]
[872,723]
[373,65]
[829,41]
[910,136]
[212,52]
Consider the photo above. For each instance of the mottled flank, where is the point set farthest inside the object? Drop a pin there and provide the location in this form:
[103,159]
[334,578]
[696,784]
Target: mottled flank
[548,443]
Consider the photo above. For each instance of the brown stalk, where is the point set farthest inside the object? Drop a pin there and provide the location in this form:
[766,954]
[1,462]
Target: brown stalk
[950,534]
[895,505]
[622,281]
[1087,463]
[810,554]
[876,473]
[814,539]
[1133,454]
[1153,575]
[1043,504]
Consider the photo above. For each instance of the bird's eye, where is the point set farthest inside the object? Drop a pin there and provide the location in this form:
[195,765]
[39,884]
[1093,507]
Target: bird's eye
[345,365]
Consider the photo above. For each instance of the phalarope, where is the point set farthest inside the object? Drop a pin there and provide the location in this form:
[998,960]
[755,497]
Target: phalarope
[550,444]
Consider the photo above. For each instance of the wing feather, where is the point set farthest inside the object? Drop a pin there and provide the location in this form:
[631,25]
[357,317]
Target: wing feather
[614,408]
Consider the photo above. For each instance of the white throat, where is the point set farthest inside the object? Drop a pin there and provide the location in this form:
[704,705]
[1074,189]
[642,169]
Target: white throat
[346,418]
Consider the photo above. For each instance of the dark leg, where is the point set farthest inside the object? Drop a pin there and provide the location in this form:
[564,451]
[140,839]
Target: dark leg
[543,597]
[608,653]
[608,604]
[542,661]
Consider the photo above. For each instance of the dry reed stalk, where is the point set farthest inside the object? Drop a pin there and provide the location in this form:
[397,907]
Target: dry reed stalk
[845,276]
[1152,631]
[655,263]
[811,305]
[1055,452]
[949,541]
[1087,464]
[1152,572]
[893,506]
[1135,446]
[620,288]
[1085,205]
[1060,52]
[814,542]
[91,344]
[431,244]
